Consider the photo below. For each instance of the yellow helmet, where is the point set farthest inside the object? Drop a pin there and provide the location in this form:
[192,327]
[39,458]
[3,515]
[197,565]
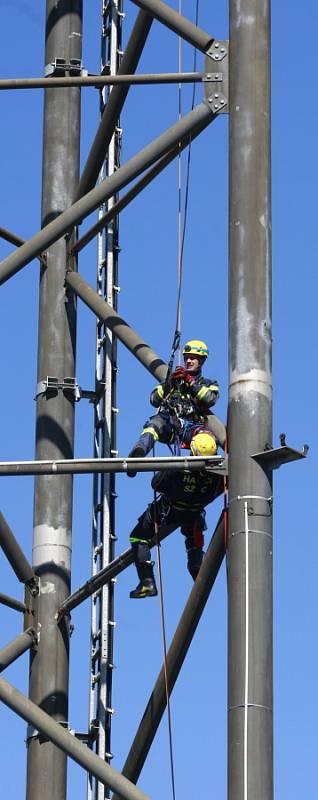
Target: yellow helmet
[203,444]
[195,348]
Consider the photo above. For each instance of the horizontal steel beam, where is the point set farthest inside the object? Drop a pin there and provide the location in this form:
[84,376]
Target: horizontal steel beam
[87,466]
[101,80]
[14,554]
[176,655]
[117,325]
[177,23]
[63,739]
[106,575]
[17,647]
[11,602]
[198,118]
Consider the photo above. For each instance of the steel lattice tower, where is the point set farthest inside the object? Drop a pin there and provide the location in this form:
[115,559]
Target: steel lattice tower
[231,87]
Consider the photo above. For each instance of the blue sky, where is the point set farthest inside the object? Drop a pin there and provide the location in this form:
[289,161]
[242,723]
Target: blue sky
[148,279]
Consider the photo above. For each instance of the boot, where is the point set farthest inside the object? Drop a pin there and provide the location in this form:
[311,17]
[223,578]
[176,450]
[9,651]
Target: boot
[146,588]
[142,447]
[147,584]
[195,558]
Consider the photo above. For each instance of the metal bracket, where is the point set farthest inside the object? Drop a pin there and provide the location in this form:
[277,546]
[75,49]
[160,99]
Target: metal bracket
[217,102]
[273,458]
[33,585]
[220,469]
[218,50]
[212,77]
[51,385]
[34,733]
[216,96]
[59,67]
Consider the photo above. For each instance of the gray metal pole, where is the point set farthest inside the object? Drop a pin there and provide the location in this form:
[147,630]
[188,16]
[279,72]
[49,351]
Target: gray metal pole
[11,237]
[117,325]
[179,647]
[14,239]
[17,647]
[14,554]
[98,81]
[250,761]
[199,118]
[86,466]
[46,769]
[177,23]
[63,739]
[110,118]
[11,602]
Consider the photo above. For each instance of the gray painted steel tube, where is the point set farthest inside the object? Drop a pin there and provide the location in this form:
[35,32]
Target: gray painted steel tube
[68,743]
[14,239]
[250,693]
[11,602]
[49,663]
[177,23]
[106,575]
[134,343]
[198,118]
[11,237]
[102,80]
[132,193]
[176,655]
[16,648]
[87,466]
[117,97]
[14,554]
[126,199]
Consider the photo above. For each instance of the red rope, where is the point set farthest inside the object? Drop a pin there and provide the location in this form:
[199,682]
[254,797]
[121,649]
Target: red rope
[225,495]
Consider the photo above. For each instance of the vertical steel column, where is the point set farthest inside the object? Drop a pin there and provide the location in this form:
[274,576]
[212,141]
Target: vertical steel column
[250,406]
[102,612]
[46,775]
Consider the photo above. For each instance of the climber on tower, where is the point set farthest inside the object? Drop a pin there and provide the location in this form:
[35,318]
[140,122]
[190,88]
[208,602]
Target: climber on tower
[183,403]
[183,496]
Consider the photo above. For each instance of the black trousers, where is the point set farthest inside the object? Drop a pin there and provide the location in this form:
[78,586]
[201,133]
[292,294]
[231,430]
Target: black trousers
[191,523]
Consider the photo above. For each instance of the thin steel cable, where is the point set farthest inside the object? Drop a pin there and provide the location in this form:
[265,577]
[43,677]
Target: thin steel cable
[180,232]
[164,646]
[185,213]
[182,228]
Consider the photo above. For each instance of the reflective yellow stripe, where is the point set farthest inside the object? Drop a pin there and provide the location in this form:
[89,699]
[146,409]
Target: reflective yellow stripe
[160,391]
[202,392]
[153,433]
[134,540]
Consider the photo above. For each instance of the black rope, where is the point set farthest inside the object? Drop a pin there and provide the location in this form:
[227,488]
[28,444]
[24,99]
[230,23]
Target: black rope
[164,643]
[177,333]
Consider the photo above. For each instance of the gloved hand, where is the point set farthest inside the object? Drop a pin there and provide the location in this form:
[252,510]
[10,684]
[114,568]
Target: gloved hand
[189,379]
[178,375]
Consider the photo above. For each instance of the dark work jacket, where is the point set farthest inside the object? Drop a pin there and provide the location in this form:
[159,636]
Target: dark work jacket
[184,400]
[187,489]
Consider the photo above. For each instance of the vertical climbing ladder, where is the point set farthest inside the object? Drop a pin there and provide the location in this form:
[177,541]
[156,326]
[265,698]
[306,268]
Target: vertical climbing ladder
[104,495]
